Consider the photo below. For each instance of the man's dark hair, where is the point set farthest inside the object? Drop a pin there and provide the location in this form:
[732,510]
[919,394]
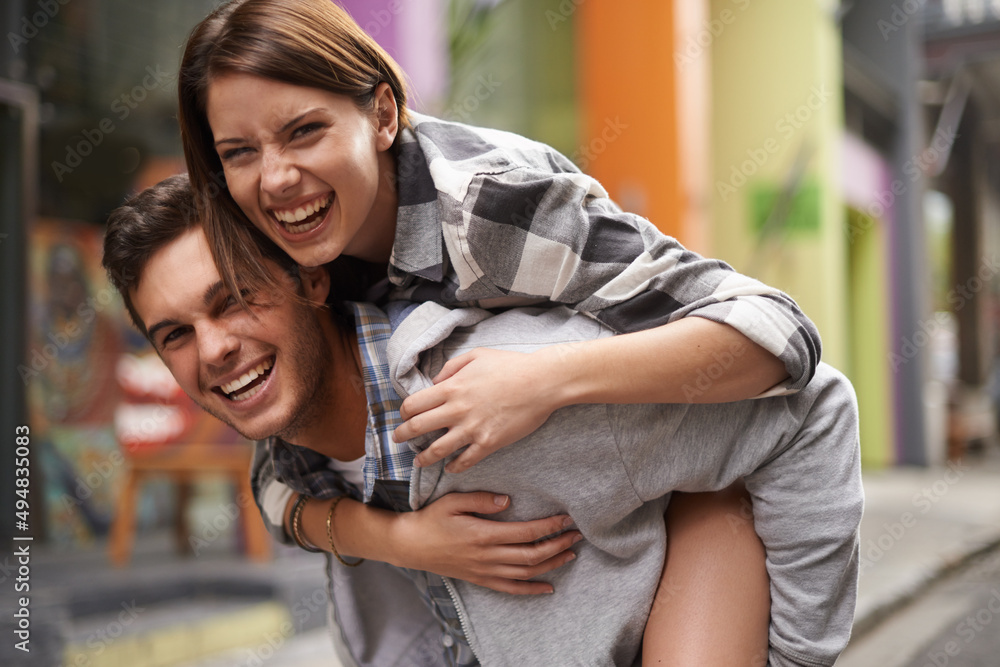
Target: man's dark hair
[150,220]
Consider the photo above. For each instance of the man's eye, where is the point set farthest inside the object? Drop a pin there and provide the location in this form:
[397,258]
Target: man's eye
[231,300]
[173,335]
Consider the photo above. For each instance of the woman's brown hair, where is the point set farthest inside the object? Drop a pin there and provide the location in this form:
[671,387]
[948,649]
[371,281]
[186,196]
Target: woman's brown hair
[311,43]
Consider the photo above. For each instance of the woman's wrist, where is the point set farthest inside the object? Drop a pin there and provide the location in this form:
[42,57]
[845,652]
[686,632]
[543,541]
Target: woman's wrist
[563,374]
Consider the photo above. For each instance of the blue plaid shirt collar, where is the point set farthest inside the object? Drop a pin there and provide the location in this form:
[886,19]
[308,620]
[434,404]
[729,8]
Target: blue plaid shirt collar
[385,459]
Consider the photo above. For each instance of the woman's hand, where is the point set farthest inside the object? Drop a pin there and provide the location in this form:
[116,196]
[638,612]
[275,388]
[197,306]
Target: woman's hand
[487,399]
[446,538]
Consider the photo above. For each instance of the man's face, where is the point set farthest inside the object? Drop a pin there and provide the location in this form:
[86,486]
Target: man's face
[263,372]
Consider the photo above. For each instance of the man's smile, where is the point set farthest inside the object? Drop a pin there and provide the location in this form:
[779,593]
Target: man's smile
[248,383]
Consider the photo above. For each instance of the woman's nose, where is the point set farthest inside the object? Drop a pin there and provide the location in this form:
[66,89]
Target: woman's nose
[278,172]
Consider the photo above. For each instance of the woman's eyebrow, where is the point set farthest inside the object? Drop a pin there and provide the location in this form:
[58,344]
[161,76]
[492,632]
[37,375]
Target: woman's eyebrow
[283,128]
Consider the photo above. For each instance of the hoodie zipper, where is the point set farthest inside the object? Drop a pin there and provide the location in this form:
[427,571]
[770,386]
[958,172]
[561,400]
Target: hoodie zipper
[462,620]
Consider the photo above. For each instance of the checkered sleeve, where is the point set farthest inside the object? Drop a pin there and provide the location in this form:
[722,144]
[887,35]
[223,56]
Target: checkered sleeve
[537,234]
[279,469]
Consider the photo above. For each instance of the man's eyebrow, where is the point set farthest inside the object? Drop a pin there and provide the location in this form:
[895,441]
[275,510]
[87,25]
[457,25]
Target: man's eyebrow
[211,292]
[283,128]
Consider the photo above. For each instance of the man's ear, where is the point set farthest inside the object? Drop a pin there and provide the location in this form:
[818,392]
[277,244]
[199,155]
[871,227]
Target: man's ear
[315,284]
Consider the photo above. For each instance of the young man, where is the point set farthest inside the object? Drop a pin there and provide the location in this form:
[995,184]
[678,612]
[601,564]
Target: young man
[320,392]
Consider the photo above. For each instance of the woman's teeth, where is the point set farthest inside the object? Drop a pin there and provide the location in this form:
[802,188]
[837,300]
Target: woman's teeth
[293,220]
[230,388]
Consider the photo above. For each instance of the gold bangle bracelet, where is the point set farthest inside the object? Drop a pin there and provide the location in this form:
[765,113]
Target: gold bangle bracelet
[297,534]
[329,534]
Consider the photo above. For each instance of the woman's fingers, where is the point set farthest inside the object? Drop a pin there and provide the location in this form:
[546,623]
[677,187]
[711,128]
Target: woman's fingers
[514,587]
[454,365]
[440,449]
[418,403]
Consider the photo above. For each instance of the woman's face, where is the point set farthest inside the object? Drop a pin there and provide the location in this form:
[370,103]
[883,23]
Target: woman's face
[308,167]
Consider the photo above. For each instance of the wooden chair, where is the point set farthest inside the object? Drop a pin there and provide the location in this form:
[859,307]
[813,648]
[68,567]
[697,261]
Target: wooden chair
[181,443]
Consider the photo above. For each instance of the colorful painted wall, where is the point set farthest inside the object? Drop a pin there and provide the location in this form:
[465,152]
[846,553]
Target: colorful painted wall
[776,129]
[644,108]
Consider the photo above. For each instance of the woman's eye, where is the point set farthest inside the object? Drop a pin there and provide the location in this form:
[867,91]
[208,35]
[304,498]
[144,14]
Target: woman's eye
[308,128]
[234,153]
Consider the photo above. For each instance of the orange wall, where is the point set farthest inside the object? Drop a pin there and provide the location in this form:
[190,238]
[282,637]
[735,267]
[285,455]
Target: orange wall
[628,84]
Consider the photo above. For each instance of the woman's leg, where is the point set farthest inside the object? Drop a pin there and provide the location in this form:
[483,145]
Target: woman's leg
[713,604]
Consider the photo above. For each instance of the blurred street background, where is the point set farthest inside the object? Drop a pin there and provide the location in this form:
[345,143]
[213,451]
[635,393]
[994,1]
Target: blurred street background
[846,152]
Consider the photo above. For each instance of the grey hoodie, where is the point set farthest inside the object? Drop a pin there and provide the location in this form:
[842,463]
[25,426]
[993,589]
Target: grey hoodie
[612,468]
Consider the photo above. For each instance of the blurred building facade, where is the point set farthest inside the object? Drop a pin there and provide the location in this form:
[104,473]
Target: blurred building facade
[842,151]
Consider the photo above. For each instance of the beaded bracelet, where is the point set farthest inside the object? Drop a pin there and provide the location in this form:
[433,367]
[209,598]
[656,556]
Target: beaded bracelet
[329,534]
[300,505]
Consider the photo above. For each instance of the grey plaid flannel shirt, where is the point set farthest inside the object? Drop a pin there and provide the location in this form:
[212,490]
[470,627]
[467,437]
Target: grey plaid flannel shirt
[495,220]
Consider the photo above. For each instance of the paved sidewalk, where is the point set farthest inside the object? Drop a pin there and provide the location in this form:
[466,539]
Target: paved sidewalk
[919,524]
[223,611]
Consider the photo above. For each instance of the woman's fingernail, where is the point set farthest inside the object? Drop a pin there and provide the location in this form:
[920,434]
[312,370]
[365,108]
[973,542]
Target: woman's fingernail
[500,500]
[567,522]
[570,557]
[577,539]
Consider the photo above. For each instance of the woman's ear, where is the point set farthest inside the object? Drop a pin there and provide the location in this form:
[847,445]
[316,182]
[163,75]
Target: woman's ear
[315,283]
[386,117]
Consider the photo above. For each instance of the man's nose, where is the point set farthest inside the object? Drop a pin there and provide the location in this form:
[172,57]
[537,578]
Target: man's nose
[278,171]
[216,342]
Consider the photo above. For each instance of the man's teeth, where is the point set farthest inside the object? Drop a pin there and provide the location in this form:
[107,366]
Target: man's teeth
[246,379]
[247,394]
[303,212]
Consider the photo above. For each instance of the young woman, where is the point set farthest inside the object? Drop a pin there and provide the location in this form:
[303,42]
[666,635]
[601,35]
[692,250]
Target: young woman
[294,118]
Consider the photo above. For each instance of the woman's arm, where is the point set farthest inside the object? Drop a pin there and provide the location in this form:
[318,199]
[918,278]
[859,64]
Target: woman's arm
[695,330]
[490,398]
[446,538]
